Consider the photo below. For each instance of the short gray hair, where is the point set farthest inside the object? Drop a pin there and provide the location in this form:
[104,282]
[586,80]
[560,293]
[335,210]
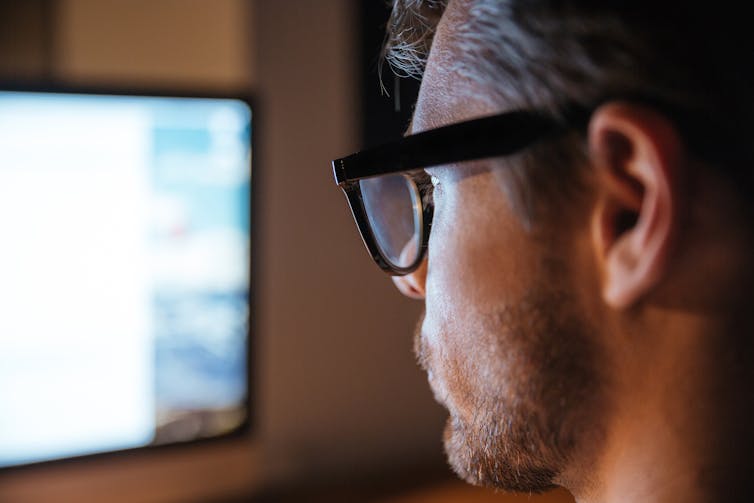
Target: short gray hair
[409,35]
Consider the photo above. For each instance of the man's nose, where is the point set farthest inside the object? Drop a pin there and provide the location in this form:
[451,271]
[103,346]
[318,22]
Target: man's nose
[413,285]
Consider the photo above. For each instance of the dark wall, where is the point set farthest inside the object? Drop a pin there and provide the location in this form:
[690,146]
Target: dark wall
[25,39]
[383,117]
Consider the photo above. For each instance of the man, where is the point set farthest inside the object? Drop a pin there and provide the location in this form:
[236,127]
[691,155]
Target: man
[588,321]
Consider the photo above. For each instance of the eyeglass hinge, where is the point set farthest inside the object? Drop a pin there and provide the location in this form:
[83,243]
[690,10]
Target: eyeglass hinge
[339,171]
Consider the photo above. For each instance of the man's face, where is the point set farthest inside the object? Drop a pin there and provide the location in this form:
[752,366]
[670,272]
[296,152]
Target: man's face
[504,342]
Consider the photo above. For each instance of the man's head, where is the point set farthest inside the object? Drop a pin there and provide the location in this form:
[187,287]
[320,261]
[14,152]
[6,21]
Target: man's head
[571,288]
[690,62]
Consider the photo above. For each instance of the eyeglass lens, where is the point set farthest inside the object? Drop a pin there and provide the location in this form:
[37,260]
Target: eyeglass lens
[393,208]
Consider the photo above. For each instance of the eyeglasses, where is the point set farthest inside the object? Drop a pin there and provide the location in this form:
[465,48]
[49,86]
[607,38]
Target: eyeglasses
[390,197]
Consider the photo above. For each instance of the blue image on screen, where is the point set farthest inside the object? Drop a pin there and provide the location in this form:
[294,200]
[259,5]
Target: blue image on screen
[201,324]
[126,270]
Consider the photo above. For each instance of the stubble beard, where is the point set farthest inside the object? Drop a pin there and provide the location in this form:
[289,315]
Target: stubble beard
[531,422]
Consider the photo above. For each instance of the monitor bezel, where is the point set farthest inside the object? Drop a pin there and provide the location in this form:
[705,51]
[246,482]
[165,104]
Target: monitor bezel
[247,429]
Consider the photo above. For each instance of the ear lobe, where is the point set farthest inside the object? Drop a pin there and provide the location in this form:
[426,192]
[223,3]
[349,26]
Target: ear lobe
[637,154]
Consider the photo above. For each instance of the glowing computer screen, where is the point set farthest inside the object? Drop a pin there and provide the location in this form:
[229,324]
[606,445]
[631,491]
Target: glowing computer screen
[124,272]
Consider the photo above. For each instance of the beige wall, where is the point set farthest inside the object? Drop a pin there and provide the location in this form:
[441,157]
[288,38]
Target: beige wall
[338,391]
[184,43]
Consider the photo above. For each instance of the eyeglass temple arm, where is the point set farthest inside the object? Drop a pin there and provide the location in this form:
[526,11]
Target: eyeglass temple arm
[486,137]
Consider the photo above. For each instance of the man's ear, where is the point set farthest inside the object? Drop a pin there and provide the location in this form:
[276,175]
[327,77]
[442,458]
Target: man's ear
[637,154]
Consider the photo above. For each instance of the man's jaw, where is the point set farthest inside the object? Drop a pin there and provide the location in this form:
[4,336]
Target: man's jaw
[430,359]
[423,358]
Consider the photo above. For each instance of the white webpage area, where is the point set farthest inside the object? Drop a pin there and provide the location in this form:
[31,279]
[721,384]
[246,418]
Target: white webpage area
[76,349]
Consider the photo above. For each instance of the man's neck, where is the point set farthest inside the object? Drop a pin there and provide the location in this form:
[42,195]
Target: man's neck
[682,428]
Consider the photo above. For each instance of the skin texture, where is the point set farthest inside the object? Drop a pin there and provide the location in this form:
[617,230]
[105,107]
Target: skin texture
[605,349]
[486,340]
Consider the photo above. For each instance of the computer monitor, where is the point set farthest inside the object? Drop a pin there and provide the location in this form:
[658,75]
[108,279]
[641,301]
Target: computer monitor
[124,271]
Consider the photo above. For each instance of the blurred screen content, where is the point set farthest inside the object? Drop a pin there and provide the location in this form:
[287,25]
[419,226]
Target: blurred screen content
[124,272]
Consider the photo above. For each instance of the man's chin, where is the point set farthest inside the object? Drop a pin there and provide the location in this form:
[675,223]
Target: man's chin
[490,463]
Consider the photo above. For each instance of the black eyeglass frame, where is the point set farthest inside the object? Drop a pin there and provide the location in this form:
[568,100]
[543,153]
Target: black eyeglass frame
[492,136]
